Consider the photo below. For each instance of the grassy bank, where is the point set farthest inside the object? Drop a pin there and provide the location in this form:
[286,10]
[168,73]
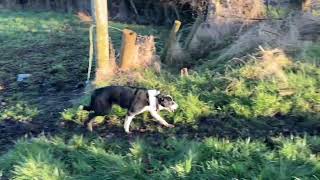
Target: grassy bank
[170,158]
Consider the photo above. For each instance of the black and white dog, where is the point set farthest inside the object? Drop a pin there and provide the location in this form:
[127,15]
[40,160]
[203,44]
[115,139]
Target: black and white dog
[135,100]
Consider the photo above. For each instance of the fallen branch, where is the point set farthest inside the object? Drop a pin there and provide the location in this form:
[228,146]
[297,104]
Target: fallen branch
[134,7]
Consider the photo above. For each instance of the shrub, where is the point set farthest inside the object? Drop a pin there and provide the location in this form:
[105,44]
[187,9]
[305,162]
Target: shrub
[79,116]
[21,112]
[75,115]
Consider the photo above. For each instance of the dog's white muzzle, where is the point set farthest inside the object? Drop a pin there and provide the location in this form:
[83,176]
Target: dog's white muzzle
[173,107]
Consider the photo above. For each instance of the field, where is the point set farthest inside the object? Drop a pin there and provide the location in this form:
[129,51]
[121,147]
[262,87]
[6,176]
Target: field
[230,125]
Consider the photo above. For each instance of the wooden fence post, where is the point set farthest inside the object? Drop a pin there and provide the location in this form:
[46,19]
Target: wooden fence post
[307,5]
[166,55]
[184,72]
[129,50]
[104,68]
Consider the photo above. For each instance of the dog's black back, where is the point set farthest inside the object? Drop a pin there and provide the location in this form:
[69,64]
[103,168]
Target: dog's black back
[131,98]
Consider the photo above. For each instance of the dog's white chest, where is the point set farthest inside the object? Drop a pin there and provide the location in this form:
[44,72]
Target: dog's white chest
[152,99]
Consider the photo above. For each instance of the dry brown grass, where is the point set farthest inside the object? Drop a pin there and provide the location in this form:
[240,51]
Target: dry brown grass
[112,56]
[288,34]
[262,34]
[147,59]
[240,10]
[178,56]
[271,63]
[128,78]
[146,50]
[229,20]
[84,17]
[309,27]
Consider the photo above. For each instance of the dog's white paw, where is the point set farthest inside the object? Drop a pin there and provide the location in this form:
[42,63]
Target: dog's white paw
[81,107]
[89,127]
[127,131]
[170,126]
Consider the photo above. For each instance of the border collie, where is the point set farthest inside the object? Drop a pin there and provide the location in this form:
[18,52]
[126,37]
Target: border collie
[135,100]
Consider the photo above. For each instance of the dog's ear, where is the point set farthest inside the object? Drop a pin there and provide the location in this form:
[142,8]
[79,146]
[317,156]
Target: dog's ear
[160,97]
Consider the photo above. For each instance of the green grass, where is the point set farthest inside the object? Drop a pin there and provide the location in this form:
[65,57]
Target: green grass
[239,94]
[312,54]
[212,158]
[278,12]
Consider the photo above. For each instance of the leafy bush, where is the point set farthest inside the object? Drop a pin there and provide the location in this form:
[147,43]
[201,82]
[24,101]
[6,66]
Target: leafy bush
[20,112]
[75,115]
[79,116]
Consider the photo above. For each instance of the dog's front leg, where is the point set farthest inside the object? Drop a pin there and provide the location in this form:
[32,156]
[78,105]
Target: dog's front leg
[160,119]
[127,122]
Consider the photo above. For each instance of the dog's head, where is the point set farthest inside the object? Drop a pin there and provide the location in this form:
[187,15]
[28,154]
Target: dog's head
[166,102]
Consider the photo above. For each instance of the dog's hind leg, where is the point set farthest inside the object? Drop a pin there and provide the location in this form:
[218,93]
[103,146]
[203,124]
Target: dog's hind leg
[89,121]
[127,123]
[130,117]
[100,109]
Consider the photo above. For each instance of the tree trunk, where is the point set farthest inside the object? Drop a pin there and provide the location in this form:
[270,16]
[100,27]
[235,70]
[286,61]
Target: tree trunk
[218,8]
[123,13]
[307,5]
[48,5]
[62,6]
[210,10]
[104,68]
[9,4]
[134,8]
[69,7]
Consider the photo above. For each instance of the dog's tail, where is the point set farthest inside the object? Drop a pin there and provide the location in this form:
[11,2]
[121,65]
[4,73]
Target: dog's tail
[87,108]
